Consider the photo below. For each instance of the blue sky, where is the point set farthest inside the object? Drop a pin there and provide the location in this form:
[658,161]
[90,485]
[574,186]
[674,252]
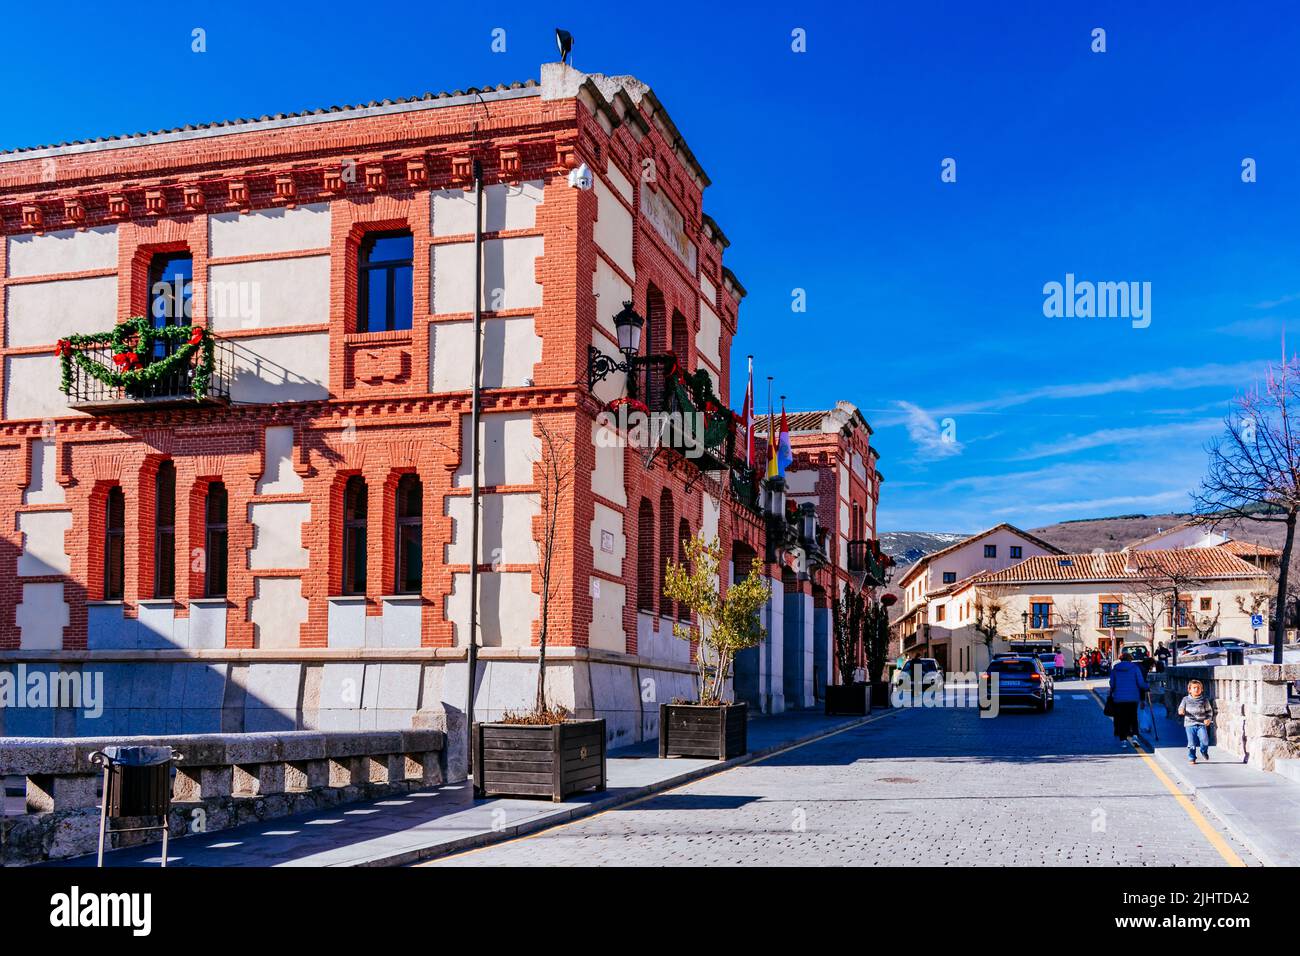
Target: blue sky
[924,298]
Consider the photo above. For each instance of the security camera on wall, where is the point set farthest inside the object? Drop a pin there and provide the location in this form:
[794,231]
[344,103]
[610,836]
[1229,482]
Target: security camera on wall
[580,178]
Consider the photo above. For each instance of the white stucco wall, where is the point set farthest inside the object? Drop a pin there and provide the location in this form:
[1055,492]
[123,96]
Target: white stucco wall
[507,608]
[277,534]
[708,338]
[42,487]
[278,476]
[43,543]
[607,477]
[506,206]
[507,449]
[276,610]
[612,230]
[509,275]
[32,387]
[269,231]
[281,368]
[65,250]
[269,293]
[41,617]
[511,349]
[607,601]
[505,528]
[41,313]
[608,542]
[611,292]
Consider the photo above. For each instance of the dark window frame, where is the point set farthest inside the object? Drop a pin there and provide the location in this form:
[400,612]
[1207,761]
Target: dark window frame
[115,545]
[990,550]
[355,524]
[368,269]
[164,531]
[405,527]
[216,541]
[1017,551]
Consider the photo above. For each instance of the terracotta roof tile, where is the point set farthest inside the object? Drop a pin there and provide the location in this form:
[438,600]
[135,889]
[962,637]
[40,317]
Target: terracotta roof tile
[1247,550]
[1213,562]
[468,91]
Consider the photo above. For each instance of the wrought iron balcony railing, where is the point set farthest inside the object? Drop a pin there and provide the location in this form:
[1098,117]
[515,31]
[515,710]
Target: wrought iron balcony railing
[865,562]
[177,387]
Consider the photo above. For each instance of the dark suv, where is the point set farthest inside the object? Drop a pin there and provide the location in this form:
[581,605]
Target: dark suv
[1020,681]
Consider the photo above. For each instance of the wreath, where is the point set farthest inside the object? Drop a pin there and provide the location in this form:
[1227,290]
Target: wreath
[131,344]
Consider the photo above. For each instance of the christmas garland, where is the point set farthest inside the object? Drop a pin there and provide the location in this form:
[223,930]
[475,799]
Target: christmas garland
[129,341]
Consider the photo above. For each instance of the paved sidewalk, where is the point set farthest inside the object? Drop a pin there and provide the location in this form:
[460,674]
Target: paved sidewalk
[1262,809]
[429,823]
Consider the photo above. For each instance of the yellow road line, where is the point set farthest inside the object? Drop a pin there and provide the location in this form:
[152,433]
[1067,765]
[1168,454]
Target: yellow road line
[651,796]
[1210,834]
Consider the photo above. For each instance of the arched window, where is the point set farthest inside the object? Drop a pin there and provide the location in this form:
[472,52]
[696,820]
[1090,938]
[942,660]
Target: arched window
[645,559]
[215,540]
[667,549]
[164,531]
[114,544]
[681,341]
[384,273]
[410,535]
[354,536]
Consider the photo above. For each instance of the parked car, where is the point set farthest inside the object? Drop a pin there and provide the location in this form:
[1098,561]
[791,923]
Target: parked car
[1021,681]
[1049,665]
[1216,647]
[930,673]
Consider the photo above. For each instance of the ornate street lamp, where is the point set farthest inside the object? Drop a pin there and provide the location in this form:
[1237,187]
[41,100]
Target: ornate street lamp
[627,325]
[808,522]
[1024,624]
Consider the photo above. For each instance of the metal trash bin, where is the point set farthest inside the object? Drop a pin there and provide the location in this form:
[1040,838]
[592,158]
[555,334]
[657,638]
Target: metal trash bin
[137,783]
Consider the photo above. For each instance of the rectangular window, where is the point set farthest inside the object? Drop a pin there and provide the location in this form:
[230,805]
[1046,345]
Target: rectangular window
[990,550]
[114,544]
[1110,611]
[384,275]
[1207,604]
[410,535]
[1017,551]
[1040,615]
[950,577]
[354,536]
[164,533]
[215,541]
[939,612]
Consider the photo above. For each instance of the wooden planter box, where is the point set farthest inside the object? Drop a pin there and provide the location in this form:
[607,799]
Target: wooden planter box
[880,694]
[542,760]
[690,730]
[848,699]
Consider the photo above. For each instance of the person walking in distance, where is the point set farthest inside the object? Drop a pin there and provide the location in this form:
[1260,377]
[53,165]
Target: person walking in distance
[1082,664]
[1127,686]
[1198,715]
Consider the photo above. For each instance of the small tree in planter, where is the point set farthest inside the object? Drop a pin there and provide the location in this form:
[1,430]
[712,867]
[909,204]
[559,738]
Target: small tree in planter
[848,619]
[724,625]
[875,641]
[542,752]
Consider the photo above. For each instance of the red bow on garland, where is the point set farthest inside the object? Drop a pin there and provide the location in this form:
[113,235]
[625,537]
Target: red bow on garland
[196,336]
[127,361]
[62,348]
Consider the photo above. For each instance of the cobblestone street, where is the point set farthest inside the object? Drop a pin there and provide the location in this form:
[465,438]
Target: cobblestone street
[938,786]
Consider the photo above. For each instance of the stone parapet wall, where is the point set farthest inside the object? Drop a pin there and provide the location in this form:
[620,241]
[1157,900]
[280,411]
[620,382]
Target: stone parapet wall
[219,781]
[1256,715]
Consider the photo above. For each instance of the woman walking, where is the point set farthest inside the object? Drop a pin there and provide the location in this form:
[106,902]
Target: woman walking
[1127,685]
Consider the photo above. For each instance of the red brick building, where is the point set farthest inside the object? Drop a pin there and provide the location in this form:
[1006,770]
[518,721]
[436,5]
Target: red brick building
[292,548]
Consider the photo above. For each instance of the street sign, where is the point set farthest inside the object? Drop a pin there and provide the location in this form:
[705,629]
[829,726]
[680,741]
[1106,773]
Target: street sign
[1257,620]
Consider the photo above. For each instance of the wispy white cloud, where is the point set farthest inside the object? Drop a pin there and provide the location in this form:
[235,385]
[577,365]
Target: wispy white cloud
[1099,506]
[928,439]
[1202,429]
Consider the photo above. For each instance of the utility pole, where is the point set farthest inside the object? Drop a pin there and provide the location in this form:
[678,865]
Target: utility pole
[471,650]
